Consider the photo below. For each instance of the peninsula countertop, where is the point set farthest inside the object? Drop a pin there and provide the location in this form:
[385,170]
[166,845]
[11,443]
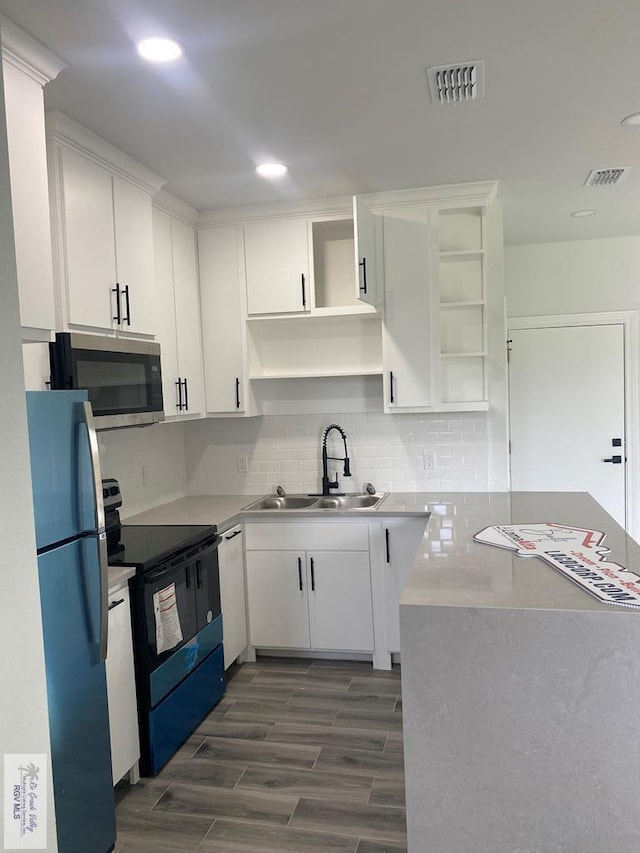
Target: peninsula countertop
[452,570]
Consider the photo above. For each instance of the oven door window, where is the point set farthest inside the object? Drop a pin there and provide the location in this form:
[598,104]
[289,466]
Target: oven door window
[169,610]
[117,382]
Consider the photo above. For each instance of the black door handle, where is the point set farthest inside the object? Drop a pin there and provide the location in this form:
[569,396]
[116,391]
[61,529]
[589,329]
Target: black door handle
[386,542]
[237,393]
[179,387]
[300,573]
[116,290]
[363,264]
[304,296]
[391,396]
[186,395]
[313,575]
[116,603]
[233,535]
[616,460]
[127,319]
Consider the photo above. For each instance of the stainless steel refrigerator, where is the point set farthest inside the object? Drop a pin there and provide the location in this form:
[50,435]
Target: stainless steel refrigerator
[72,570]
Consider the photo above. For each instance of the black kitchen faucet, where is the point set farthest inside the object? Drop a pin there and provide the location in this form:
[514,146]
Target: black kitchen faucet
[327,484]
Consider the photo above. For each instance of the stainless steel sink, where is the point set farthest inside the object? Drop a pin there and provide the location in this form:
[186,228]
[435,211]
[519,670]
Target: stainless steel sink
[287,502]
[319,502]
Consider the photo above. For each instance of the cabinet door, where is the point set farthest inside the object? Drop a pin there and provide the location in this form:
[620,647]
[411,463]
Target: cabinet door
[166,328]
[222,321]
[277,267]
[340,612]
[134,256]
[277,599]
[409,331]
[401,541]
[187,302]
[26,142]
[232,595]
[365,254]
[88,236]
[121,687]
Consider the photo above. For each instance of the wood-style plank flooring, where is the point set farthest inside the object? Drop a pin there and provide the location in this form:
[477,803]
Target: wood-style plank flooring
[299,756]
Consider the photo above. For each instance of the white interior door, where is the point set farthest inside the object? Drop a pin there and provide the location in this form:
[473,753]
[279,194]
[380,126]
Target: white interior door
[566,388]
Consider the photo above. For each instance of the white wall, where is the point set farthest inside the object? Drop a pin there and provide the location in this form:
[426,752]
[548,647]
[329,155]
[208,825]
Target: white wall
[386,450]
[581,276]
[24,724]
[160,450]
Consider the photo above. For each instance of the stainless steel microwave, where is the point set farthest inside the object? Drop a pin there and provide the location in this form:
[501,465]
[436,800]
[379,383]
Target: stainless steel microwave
[123,377]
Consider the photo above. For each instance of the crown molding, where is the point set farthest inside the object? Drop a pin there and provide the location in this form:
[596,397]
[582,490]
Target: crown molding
[471,194]
[27,54]
[338,206]
[176,207]
[65,131]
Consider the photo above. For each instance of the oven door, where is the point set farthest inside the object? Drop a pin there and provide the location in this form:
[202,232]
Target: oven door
[207,585]
[169,610]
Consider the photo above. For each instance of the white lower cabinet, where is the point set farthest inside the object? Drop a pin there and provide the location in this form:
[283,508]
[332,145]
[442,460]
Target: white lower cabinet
[309,597]
[401,539]
[121,689]
[232,595]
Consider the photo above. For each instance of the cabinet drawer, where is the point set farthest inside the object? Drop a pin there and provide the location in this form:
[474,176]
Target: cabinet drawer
[307,536]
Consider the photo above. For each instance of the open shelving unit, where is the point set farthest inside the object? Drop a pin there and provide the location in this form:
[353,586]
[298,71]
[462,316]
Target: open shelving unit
[462,308]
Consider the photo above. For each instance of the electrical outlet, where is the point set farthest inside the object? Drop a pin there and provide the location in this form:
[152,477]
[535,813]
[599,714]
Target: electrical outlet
[243,464]
[146,475]
[429,460]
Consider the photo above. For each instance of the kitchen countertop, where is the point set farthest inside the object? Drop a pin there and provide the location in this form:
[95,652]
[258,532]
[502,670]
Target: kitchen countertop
[228,510]
[451,570]
[119,577]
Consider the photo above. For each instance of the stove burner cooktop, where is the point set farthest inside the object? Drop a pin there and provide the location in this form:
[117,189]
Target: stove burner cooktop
[145,545]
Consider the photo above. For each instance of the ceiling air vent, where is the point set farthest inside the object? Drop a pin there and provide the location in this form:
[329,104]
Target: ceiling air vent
[450,84]
[607,177]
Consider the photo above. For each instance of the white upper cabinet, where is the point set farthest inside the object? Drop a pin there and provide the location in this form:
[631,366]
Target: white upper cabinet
[103,233]
[176,283]
[365,252]
[277,266]
[223,320]
[134,256]
[27,66]
[408,328]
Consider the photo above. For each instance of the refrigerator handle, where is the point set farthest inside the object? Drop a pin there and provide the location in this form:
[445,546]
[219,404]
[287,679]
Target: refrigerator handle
[104,594]
[102,536]
[95,465]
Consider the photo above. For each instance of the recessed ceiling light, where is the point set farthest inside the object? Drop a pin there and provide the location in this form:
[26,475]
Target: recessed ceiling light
[159,49]
[581,213]
[631,121]
[271,170]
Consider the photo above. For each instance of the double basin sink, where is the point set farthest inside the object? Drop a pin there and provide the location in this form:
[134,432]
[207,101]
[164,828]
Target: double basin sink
[315,502]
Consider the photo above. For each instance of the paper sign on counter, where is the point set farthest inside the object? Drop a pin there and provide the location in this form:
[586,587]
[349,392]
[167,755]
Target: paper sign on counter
[577,552]
[165,608]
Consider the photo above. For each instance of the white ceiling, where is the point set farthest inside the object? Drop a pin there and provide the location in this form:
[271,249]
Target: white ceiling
[337,89]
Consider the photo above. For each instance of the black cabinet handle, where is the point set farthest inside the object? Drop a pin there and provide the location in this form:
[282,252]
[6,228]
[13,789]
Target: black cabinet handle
[237,393]
[300,573]
[127,319]
[233,535]
[386,542]
[363,264]
[186,395]
[116,290]
[391,395]
[179,387]
[304,296]
[313,575]
[616,460]
[116,603]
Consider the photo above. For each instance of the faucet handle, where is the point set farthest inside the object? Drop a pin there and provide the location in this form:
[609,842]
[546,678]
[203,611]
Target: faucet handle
[280,491]
[370,489]
[347,467]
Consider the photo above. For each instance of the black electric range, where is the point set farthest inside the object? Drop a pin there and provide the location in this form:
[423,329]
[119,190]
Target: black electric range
[176,622]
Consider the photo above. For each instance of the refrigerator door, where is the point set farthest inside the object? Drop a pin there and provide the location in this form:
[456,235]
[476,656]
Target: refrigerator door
[61,468]
[77,697]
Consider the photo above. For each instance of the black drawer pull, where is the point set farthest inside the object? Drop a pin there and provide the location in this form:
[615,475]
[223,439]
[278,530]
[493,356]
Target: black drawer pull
[116,603]
[233,535]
